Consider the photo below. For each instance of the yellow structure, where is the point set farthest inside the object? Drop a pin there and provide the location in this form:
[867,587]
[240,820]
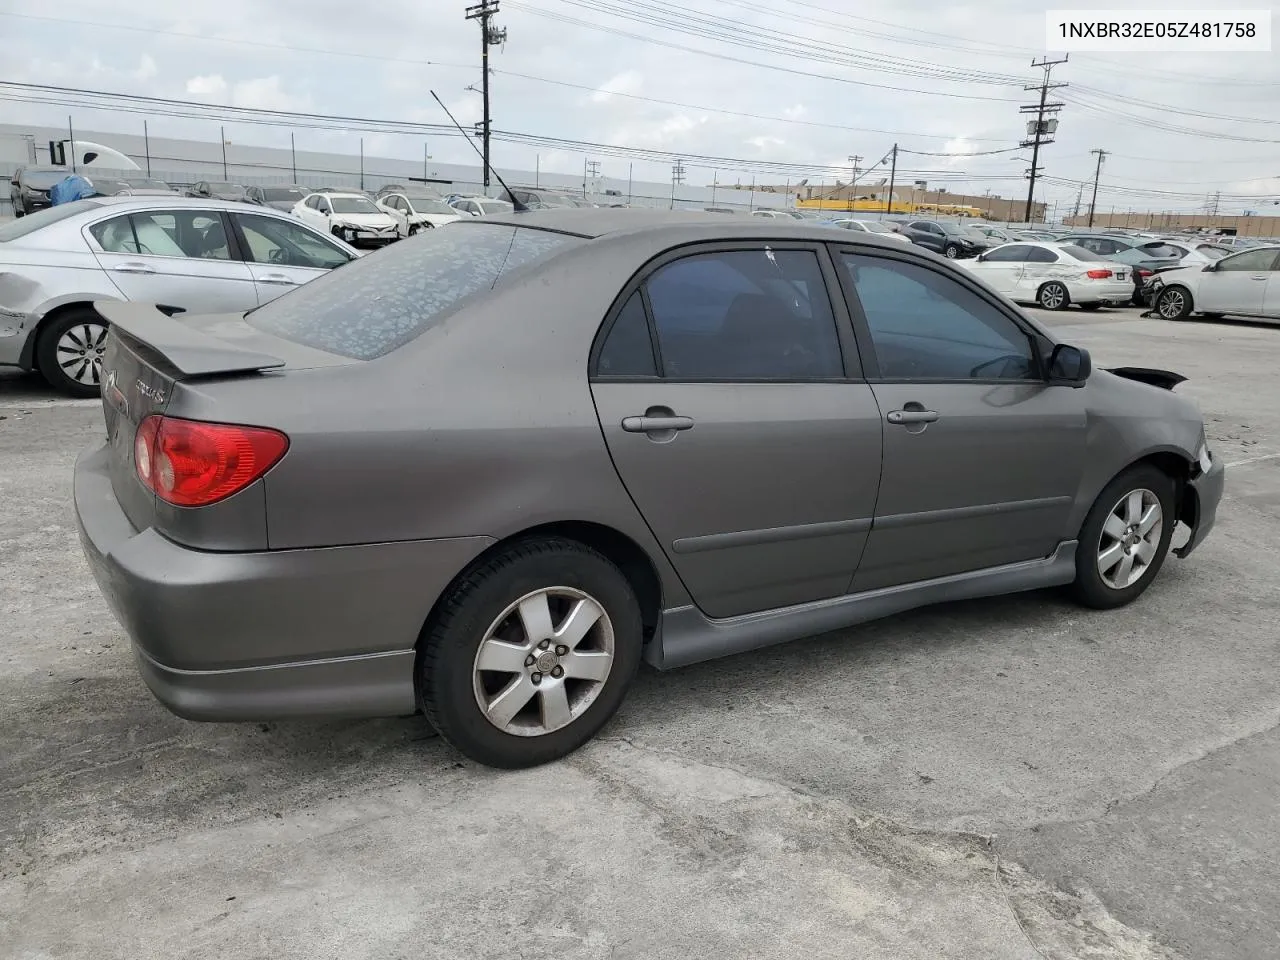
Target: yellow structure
[870,205]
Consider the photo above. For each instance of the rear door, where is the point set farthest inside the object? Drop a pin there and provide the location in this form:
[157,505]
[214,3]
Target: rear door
[982,458]
[1239,284]
[176,258]
[282,255]
[730,394]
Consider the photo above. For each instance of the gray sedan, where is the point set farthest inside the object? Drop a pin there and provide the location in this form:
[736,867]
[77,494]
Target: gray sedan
[184,255]
[489,470]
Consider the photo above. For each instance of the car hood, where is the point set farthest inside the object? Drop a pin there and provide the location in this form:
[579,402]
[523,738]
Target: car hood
[374,221]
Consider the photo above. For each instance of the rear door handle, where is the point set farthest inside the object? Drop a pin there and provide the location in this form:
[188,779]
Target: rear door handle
[134,268]
[275,278]
[1263,277]
[911,416]
[656,424]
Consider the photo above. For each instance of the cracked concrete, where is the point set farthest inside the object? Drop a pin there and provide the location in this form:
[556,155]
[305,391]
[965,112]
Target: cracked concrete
[1007,779]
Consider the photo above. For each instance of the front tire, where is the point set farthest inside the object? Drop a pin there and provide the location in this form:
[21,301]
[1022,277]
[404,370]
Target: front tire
[1125,538]
[951,251]
[1053,296]
[531,654]
[1174,303]
[69,352]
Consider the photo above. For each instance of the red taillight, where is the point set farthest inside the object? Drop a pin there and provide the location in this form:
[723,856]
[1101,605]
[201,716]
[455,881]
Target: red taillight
[190,463]
[1144,273]
[1098,274]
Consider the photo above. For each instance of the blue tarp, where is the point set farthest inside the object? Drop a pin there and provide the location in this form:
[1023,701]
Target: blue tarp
[71,188]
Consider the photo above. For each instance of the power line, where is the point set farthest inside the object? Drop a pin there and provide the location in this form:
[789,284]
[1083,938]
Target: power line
[1040,129]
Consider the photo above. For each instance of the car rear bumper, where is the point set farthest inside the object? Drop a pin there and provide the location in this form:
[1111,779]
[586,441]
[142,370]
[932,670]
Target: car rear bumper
[1119,291]
[1200,506]
[263,635]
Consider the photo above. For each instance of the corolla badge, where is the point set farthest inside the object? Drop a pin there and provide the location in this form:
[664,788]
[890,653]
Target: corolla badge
[154,394]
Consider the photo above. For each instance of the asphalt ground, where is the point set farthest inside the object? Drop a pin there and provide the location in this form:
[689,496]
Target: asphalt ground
[1012,778]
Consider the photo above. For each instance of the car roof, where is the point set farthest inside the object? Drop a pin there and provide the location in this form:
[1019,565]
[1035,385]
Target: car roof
[173,201]
[339,193]
[594,222]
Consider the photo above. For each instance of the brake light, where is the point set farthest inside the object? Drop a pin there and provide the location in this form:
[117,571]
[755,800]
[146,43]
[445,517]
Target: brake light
[1142,272]
[191,463]
[1098,274]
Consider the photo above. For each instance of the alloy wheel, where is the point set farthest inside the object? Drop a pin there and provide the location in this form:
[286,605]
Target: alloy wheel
[543,661]
[1172,304]
[79,352]
[1052,296]
[1130,539]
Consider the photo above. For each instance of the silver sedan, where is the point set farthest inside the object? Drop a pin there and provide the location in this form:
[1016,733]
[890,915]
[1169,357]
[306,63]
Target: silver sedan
[183,255]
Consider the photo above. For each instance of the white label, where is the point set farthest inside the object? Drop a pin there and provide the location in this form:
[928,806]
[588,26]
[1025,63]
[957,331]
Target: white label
[1157,31]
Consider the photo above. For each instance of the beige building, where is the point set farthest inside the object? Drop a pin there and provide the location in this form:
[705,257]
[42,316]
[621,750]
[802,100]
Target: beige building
[1244,226]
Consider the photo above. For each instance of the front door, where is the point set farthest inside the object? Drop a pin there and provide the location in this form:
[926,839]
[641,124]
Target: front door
[752,454]
[174,258]
[982,458]
[1002,267]
[1238,284]
[283,255]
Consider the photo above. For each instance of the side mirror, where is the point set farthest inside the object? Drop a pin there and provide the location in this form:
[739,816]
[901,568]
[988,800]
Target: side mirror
[982,257]
[1069,366]
[1210,267]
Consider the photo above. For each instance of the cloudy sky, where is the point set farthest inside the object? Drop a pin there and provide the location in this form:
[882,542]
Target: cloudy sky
[742,82]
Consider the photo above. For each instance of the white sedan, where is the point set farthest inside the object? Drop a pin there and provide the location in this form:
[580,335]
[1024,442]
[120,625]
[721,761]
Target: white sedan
[352,217]
[414,212]
[1246,284]
[1053,275]
[870,226]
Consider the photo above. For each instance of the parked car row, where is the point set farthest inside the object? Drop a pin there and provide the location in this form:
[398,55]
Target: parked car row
[1245,283]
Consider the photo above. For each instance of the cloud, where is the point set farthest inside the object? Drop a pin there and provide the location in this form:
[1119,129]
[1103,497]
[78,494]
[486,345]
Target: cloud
[262,93]
[210,86]
[147,68]
[629,81]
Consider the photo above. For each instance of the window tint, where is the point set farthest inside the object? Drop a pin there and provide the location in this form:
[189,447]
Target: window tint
[179,233]
[745,315]
[926,326]
[628,350]
[1014,253]
[1042,255]
[272,240]
[376,304]
[1157,249]
[1250,260]
[1080,253]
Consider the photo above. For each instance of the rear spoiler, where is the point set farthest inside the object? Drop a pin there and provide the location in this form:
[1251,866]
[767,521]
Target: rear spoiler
[187,350]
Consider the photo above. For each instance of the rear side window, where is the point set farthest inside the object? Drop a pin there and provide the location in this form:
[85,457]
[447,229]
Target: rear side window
[377,303]
[1042,255]
[628,349]
[1080,253]
[745,315]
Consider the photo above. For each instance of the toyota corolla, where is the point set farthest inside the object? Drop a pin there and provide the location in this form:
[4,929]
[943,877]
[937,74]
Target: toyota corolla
[487,472]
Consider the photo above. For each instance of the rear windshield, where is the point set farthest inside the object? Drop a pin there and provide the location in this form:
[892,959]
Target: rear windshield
[282,193]
[1080,253]
[42,218]
[377,303]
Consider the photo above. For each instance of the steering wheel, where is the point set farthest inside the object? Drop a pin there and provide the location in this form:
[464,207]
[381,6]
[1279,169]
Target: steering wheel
[277,255]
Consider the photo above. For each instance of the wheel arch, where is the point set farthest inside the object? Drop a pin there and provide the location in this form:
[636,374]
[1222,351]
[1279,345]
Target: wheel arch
[1173,463]
[618,548]
[1187,292]
[26,359]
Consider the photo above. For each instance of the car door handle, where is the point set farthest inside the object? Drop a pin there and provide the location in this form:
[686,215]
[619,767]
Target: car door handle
[911,416]
[649,424]
[275,278]
[134,268]
[1263,277]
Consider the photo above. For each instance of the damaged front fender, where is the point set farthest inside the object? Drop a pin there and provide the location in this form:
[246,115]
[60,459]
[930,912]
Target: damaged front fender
[1165,379]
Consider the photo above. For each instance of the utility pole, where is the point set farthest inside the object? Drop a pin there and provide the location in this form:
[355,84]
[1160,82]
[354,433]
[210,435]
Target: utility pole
[222,135]
[590,171]
[146,145]
[893,174]
[853,162]
[677,177]
[1097,173]
[1040,131]
[489,34]
[1075,211]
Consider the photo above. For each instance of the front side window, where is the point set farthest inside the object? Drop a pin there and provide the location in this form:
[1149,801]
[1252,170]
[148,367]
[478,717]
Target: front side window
[1250,260]
[376,304]
[927,326]
[745,315]
[272,240]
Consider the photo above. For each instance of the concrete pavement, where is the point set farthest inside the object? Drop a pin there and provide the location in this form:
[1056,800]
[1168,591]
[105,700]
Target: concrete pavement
[1015,778]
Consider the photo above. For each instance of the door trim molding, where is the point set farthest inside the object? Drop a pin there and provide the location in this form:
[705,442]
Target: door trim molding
[752,538]
[686,635]
[896,520]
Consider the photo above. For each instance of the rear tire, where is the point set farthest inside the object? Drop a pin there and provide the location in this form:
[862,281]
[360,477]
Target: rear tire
[1053,296]
[1125,538]
[69,352]
[1174,303]
[538,699]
